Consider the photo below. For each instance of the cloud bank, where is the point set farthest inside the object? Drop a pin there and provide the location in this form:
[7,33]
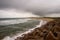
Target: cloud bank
[15,14]
[37,7]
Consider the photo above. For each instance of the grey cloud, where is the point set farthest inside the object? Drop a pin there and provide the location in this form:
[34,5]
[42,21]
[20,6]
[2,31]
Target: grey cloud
[38,7]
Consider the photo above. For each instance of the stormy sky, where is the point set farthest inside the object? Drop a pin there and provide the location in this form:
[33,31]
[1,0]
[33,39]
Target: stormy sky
[17,8]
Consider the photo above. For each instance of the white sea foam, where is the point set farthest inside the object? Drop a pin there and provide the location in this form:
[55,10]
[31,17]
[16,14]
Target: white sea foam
[16,21]
[20,34]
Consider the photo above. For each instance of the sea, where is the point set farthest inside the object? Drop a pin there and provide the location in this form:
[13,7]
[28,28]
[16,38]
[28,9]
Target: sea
[12,28]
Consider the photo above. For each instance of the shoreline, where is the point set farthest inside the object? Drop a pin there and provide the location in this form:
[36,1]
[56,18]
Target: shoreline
[26,32]
[48,31]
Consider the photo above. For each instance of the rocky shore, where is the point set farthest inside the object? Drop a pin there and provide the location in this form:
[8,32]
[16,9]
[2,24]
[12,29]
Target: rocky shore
[49,31]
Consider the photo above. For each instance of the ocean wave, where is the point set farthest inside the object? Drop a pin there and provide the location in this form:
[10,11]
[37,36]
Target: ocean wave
[20,34]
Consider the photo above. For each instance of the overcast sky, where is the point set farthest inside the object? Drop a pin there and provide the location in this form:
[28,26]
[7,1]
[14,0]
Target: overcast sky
[15,8]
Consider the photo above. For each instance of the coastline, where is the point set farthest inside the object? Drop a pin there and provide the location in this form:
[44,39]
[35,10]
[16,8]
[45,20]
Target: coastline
[26,32]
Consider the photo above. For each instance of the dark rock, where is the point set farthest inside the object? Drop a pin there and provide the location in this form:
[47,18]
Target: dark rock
[49,31]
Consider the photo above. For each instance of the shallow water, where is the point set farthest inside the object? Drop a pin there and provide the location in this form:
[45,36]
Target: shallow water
[29,30]
[9,28]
